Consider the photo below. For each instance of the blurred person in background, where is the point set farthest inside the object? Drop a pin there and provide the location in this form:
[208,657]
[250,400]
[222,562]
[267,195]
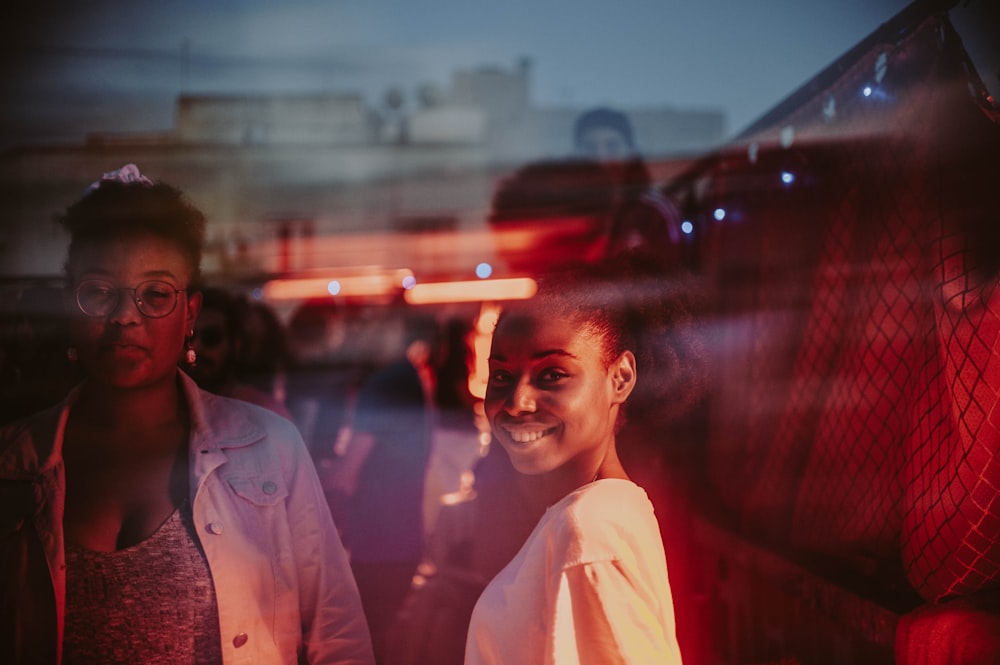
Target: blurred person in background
[382,476]
[326,369]
[147,520]
[263,358]
[644,219]
[217,342]
[552,213]
[457,446]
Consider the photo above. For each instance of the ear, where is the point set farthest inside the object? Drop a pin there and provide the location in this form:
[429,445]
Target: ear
[623,377]
[193,309]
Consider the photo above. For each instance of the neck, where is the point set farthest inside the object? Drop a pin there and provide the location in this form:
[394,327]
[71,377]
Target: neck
[549,488]
[133,409]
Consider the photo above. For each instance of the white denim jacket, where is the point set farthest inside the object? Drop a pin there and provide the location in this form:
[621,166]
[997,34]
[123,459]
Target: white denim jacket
[282,579]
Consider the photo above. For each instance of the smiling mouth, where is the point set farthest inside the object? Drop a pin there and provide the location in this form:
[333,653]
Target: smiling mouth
[522,435]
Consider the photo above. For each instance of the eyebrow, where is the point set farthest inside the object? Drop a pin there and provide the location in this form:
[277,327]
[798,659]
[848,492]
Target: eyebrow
[539,355]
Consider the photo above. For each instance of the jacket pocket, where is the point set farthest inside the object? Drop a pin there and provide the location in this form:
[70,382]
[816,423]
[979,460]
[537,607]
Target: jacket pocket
[259,491]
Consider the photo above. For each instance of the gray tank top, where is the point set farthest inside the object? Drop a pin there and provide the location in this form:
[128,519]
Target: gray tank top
[151,603]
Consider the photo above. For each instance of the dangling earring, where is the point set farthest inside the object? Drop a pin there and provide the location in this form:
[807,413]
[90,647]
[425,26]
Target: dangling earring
[71,354]
[190,357]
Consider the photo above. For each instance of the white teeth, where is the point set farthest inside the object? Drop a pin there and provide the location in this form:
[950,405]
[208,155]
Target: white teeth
[527,437]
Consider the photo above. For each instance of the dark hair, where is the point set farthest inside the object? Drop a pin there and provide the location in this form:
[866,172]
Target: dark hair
[311,319]
[115,209]
[603,117]
[631,304]
[552,189]
[586,298]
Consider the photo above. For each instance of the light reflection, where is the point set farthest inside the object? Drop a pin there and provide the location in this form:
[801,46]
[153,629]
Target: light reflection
[377,283]
[516,288]
[719,214]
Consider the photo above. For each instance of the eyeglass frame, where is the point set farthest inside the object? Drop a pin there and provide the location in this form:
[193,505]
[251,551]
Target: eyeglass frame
[135,299]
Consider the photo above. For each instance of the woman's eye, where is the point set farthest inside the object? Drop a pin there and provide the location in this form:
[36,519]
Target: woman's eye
[499,378]
[552,375]
[96,293]
[156,292]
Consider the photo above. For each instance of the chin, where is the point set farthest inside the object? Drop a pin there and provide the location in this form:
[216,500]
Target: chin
[527,465]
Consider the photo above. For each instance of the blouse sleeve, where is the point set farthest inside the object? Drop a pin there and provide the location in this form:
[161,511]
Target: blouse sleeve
[602,616]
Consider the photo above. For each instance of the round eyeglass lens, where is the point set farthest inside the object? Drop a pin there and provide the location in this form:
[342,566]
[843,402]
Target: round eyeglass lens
[96,298]
[155,298]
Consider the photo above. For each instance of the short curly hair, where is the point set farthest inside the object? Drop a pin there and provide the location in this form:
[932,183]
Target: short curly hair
[119,209]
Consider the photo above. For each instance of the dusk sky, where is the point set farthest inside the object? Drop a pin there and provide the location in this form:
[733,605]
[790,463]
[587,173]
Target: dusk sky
[117,66]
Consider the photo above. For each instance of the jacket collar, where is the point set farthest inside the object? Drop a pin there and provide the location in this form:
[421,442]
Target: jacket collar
[33,445]
[215,424]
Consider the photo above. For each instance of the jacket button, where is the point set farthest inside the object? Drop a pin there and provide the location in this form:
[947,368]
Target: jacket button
[269,487]
[215,528]
[240,640]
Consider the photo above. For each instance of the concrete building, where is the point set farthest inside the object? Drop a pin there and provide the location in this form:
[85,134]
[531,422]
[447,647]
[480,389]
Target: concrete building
[316,171]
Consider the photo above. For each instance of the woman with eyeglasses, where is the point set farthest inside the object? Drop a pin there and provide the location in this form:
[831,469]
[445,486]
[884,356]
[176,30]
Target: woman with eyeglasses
[143,520]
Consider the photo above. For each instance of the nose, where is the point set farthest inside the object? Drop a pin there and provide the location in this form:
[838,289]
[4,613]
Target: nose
[126,311]
[521,398]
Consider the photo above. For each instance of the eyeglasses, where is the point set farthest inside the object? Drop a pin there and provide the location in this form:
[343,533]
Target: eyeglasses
[153,298]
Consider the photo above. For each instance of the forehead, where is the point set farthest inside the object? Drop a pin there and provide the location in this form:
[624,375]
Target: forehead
[129,257]
[526,334]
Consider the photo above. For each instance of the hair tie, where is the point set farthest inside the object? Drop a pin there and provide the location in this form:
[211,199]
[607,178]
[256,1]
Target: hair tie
[126,175]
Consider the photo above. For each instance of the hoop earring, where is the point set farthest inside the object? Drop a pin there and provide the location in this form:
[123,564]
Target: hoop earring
[72,354]
[190,357]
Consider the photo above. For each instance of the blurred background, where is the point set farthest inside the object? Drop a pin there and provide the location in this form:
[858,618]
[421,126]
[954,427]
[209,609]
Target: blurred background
[825,171]
[295,123]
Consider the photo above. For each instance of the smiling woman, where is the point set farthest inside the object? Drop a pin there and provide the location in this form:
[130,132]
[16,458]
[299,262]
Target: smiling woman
[590,583]
[158,521]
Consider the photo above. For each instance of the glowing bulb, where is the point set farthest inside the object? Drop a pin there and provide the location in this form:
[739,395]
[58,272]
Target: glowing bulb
[687,227]
[333,287]
[867,91]
[719,214]
[484,270]
[787,177]
[409,282]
